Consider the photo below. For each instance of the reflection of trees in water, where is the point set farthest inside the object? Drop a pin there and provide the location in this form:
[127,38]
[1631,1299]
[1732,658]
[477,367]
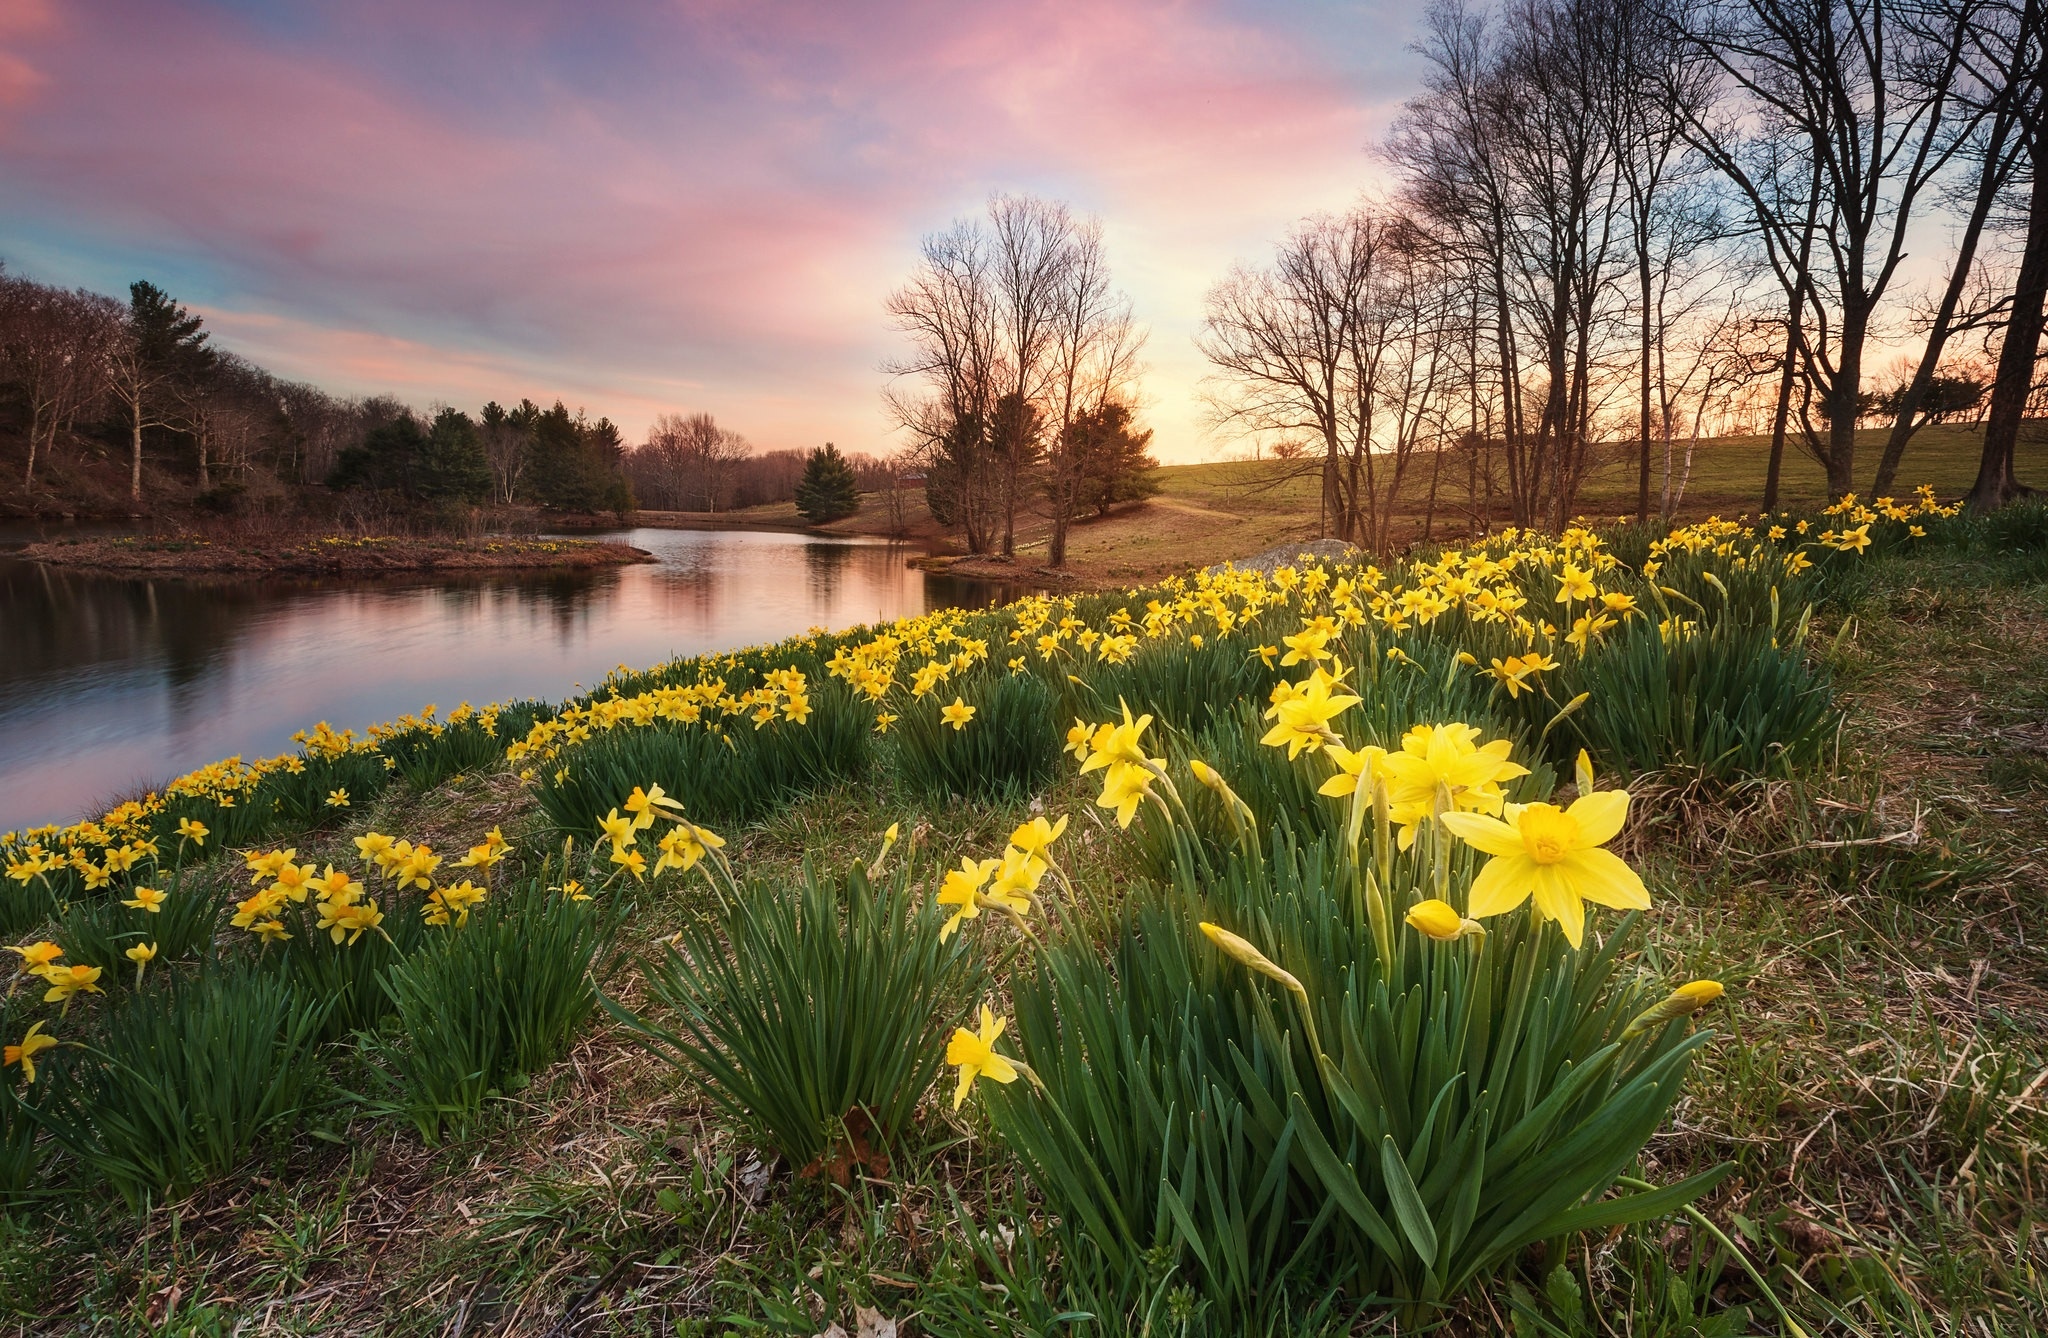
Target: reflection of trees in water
[60,622]
[958,592]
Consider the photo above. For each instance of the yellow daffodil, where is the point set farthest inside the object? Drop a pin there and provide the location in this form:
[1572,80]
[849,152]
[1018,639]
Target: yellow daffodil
[632,861]
[1035,836]
[882,722]
[142,954]
[620,831]
[1354,767]
[1434,760]
[66,981]
[958,714]
[1302,716]
[1684,1001]
[1575,584]
[1244,953]
[147,899]
[348,920]
[36,956]
[189,830]
[1440,921]
[962,889]
[337,799]
[1553,855]
[372,846]
[975,1055]
[33,1043]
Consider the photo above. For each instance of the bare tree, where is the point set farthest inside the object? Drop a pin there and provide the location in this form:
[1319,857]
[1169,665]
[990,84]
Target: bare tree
[692,460]
[1848,95]
[54,345]
[945,388]
[2009,59]
[1341,340]
[1091,361]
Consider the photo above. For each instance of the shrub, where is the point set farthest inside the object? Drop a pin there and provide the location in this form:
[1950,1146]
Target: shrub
[1009,747]
[813,1014]
[185,1077]
[482,1004]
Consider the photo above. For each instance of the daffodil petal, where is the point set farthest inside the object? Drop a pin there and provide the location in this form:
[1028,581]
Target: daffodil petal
[1501,886]
[1488,834]
[1600,815]
[1556,899]
[1601,876]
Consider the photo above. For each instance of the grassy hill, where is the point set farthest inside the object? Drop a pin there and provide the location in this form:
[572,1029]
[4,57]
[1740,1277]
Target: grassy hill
[1205,513]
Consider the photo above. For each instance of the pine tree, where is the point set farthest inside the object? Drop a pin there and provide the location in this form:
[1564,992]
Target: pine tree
[827,491]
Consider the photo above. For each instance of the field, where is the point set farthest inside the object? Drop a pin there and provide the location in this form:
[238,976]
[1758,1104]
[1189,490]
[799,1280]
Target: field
[1824,1036]
[1234,509]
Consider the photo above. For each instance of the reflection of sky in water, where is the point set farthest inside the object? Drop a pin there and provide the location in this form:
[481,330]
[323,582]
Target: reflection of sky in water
[110,685]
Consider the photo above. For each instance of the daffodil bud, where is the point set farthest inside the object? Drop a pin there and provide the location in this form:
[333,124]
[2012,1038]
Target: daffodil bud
[1242,951]
[1440,921]
[1584,773]
[1684,1001]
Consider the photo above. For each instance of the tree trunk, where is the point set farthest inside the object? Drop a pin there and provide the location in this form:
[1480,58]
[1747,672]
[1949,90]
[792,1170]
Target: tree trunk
[1903,426]
[135,454]
[35,434]
[1643,464]
[1996,485]
[1843,404]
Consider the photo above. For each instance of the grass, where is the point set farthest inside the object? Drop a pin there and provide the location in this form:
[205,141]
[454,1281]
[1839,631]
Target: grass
[1884,1093]
[1206,512]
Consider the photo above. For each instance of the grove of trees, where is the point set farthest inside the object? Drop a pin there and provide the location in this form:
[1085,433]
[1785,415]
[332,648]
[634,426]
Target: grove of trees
[1616,225]
[90,385]
[1017,392]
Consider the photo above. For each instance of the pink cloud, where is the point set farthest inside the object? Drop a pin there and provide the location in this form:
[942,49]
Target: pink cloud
[699,207]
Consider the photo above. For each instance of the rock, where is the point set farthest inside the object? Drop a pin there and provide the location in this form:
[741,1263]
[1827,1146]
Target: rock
[1288,555]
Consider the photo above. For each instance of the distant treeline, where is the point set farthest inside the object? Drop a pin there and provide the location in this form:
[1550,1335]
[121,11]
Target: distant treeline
[690,463]
[136,398]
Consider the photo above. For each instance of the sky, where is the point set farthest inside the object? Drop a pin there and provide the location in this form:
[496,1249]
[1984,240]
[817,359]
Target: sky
[643,207]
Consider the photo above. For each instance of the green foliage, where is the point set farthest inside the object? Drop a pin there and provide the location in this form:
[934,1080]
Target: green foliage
[427,754]
[827,491]
[812,1013]
[98,930]
[1173,680]
[1108,460]
[21,1149]
[481,1006]
[1471,1099]
[185,1078]
[298,800]
[572,464]
[347,973]
[1009,748]
[1725,701]
[732,775]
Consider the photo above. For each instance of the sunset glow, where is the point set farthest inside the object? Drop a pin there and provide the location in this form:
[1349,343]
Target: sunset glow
[697,208]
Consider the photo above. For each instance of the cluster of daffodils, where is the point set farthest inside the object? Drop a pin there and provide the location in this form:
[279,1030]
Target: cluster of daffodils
[1007,883]
[1444,782]
[681,847]
[782,695]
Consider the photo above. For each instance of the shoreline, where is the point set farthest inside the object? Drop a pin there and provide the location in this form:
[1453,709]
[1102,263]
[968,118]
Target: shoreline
[327,556]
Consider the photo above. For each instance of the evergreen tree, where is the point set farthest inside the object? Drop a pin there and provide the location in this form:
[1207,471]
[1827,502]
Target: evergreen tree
[1109,459]
[827,491]
[386,459]
[450,464]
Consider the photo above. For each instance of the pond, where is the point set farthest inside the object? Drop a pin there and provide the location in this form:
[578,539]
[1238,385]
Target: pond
[112,685]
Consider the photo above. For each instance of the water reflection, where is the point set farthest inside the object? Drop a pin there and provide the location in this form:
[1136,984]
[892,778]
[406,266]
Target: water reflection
[109,685]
